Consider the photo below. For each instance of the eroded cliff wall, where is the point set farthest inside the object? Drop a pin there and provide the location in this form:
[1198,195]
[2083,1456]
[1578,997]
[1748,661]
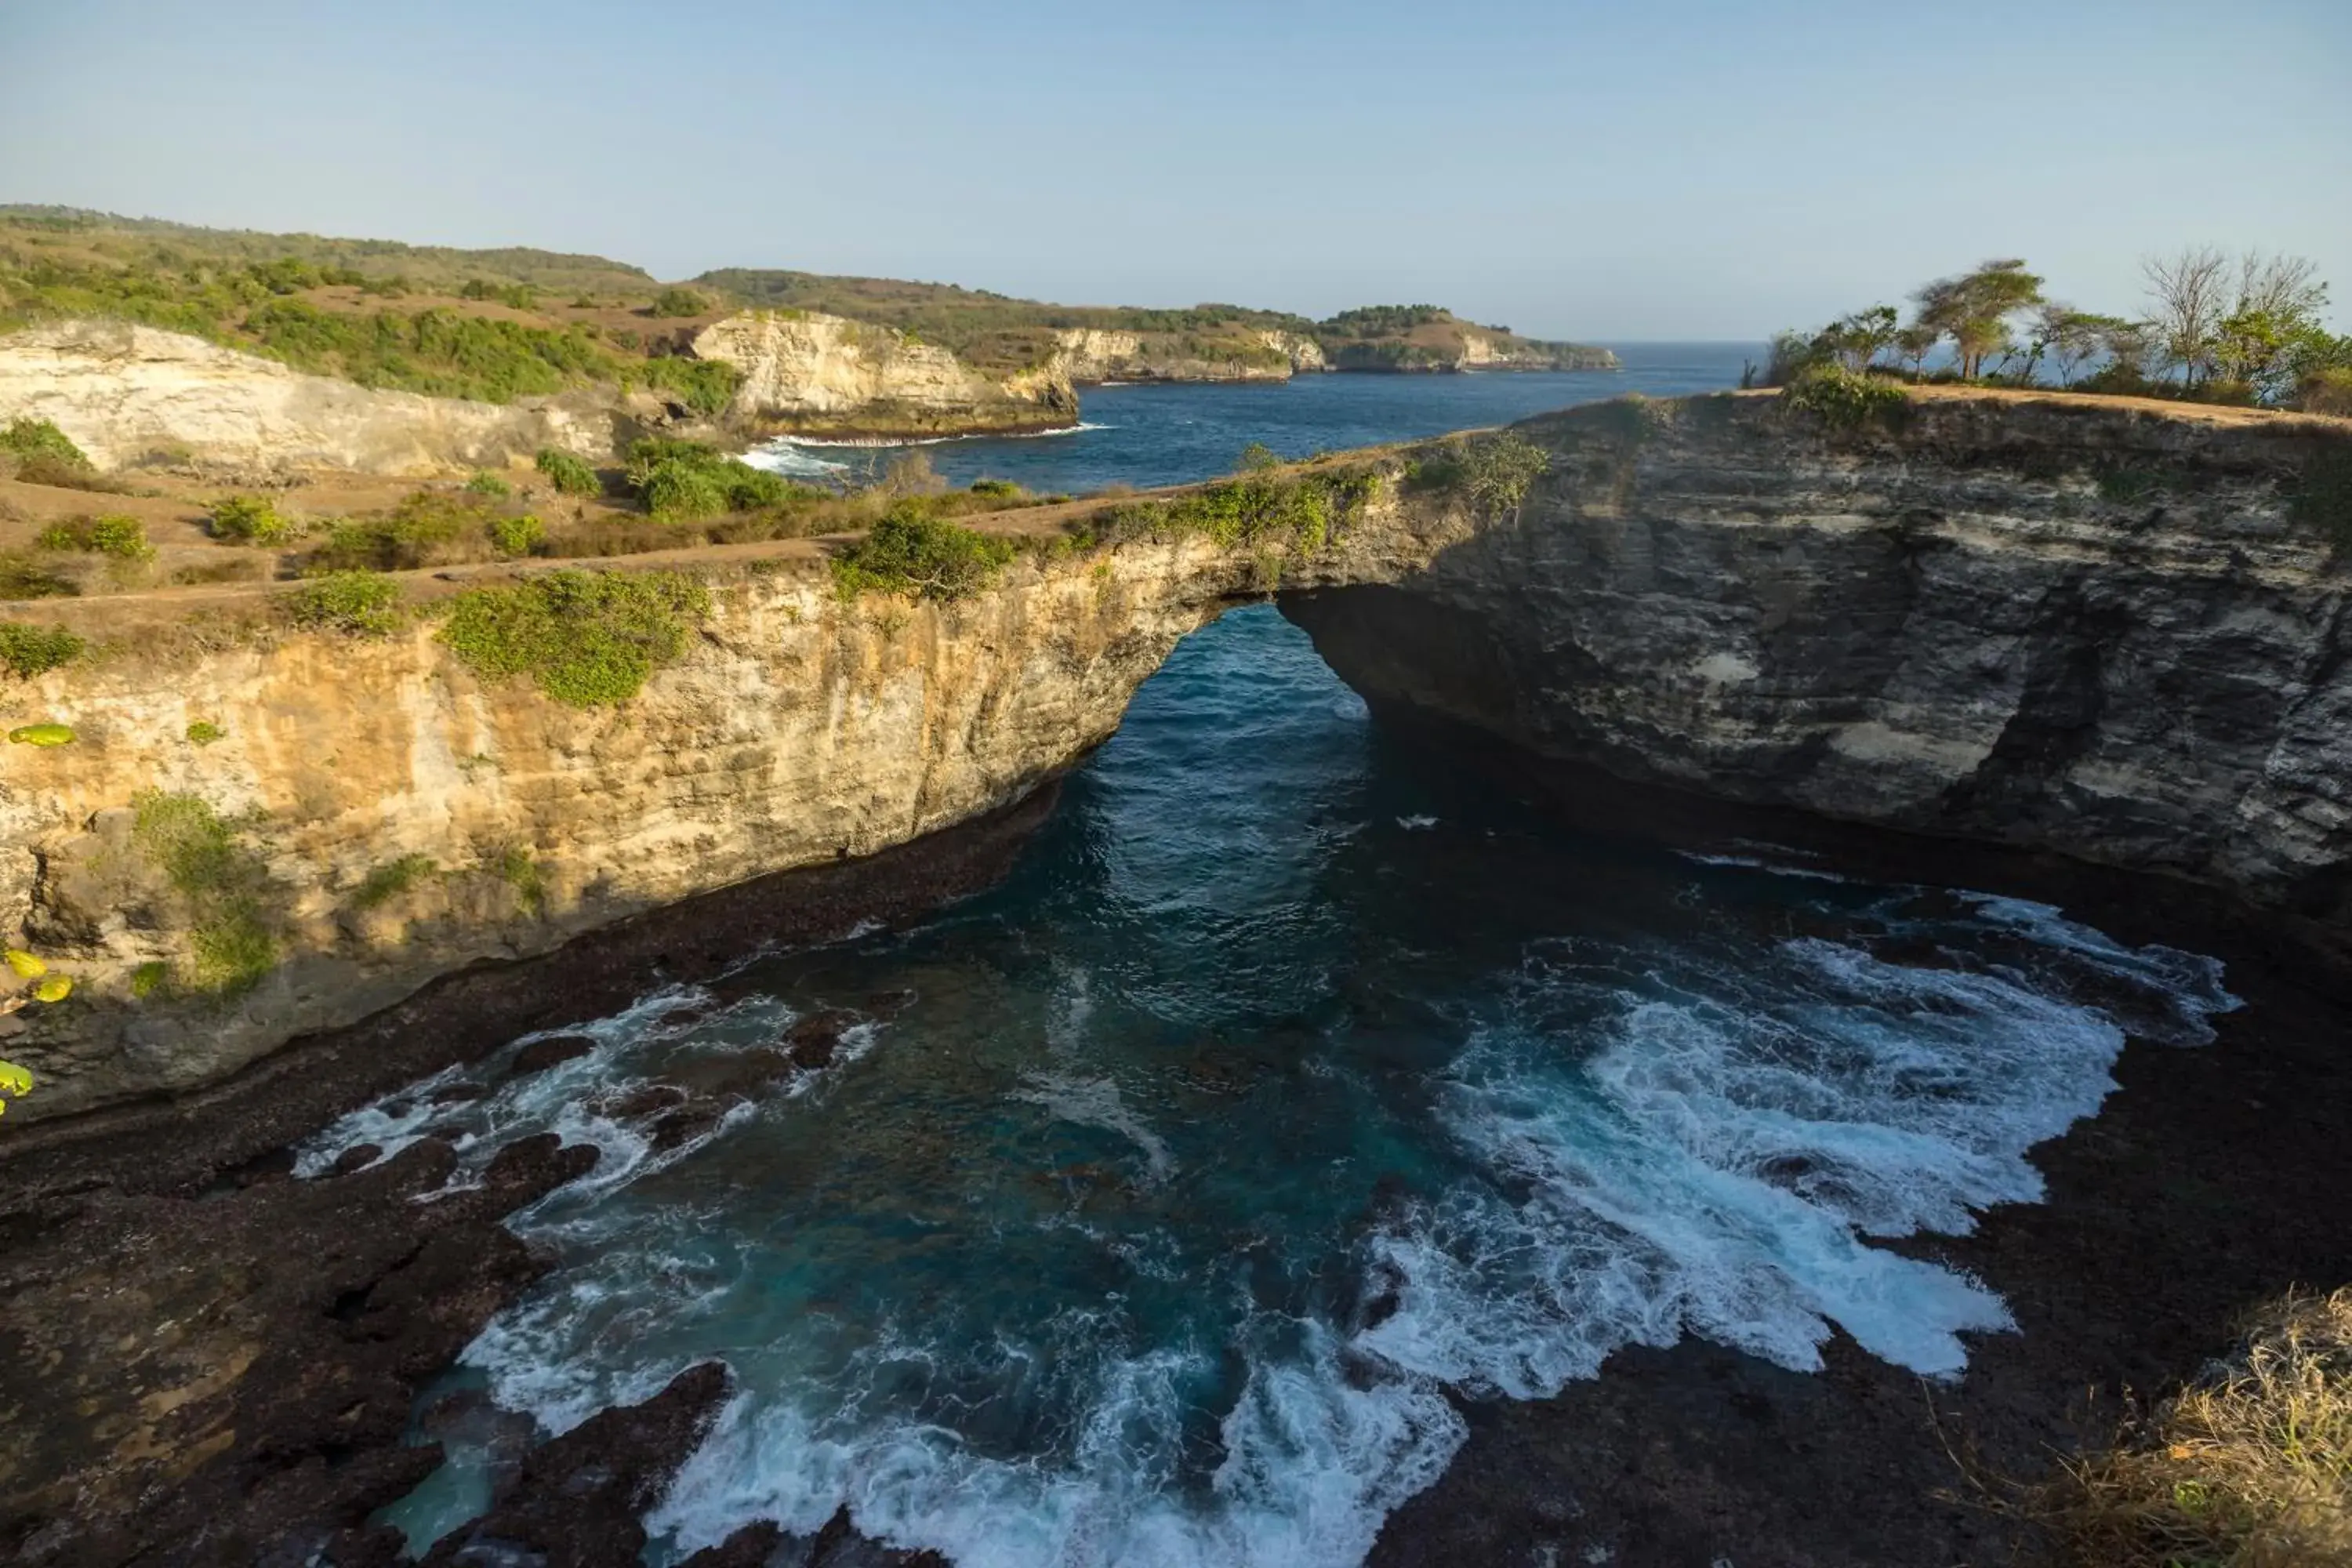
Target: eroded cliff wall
[2114,631]
[126,394]
[1098,355]
[809,374]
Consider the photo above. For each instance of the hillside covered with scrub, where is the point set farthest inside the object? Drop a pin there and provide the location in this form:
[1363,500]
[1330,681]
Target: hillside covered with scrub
[502,324]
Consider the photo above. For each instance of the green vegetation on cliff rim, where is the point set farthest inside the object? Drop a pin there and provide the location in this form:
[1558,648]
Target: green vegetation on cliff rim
[203,733]
[1264,507]
[1493,472]
[910,551]
[356,604]
[586,638]
[26,651]
[1845,399]
[224,882]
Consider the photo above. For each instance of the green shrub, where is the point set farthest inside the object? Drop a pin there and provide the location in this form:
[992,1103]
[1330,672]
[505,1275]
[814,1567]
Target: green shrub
[515,867]
[203,733]
[705,385]
[485,483]
[392,878]
[26,651]
[252,519]
[116,534]
[40,442]
[1845,399]
[1269,507]
[356,604]
[687,480]
[672,302]
[584,637]
[996,489]
[1493,472]
[677,490]
[910,551]
[223,881]
[570,474]
[23,577]
[517,535]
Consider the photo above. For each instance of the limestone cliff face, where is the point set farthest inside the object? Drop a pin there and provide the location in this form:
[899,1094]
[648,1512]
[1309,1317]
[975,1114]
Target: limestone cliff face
[2074,625]
[2113,632]
[815,374]
[126,393]
[1097,354]
[799,729]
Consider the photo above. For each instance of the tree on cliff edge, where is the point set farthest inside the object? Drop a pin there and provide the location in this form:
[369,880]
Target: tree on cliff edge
[1973,310]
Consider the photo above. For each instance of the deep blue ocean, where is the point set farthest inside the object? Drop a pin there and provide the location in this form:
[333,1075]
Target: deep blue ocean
[1166,1201]
[1151,435]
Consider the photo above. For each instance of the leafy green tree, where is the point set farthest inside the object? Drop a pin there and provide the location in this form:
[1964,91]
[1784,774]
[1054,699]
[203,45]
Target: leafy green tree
[1915,343]
[1856,341]
[2070,339]
[1973,310]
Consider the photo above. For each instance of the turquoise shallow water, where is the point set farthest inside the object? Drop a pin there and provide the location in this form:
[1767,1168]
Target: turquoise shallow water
[1294,1087]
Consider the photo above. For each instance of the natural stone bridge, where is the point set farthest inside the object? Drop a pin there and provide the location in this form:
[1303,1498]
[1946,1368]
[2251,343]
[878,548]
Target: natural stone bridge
[2106,630]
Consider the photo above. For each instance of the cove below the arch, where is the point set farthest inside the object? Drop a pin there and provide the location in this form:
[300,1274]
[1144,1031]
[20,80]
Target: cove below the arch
[1160,1204]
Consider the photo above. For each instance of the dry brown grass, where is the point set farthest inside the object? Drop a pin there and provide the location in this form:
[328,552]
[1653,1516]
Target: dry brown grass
[2249,1468]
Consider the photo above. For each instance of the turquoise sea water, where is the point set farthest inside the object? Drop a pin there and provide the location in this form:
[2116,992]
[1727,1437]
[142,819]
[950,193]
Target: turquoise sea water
[1166,1200]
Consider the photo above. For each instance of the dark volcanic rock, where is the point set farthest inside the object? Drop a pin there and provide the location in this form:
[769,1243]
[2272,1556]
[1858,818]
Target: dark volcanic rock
[228,1380]
[555,1051]
[580,1500]
[814,1040]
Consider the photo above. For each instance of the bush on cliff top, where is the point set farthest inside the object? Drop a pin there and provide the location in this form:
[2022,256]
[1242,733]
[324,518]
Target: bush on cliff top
[356,604]
[687,480]
[584,638]
[1845,399]
[1493,472]
[910,551]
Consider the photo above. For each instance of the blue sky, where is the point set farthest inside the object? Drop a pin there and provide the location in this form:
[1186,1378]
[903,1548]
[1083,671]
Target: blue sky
[1622,171]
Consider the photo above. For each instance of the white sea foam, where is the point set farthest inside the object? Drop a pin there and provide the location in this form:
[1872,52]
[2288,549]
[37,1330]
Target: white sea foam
[1416,823]
[1716,1167]
[1660,1143]
[1314,1461]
